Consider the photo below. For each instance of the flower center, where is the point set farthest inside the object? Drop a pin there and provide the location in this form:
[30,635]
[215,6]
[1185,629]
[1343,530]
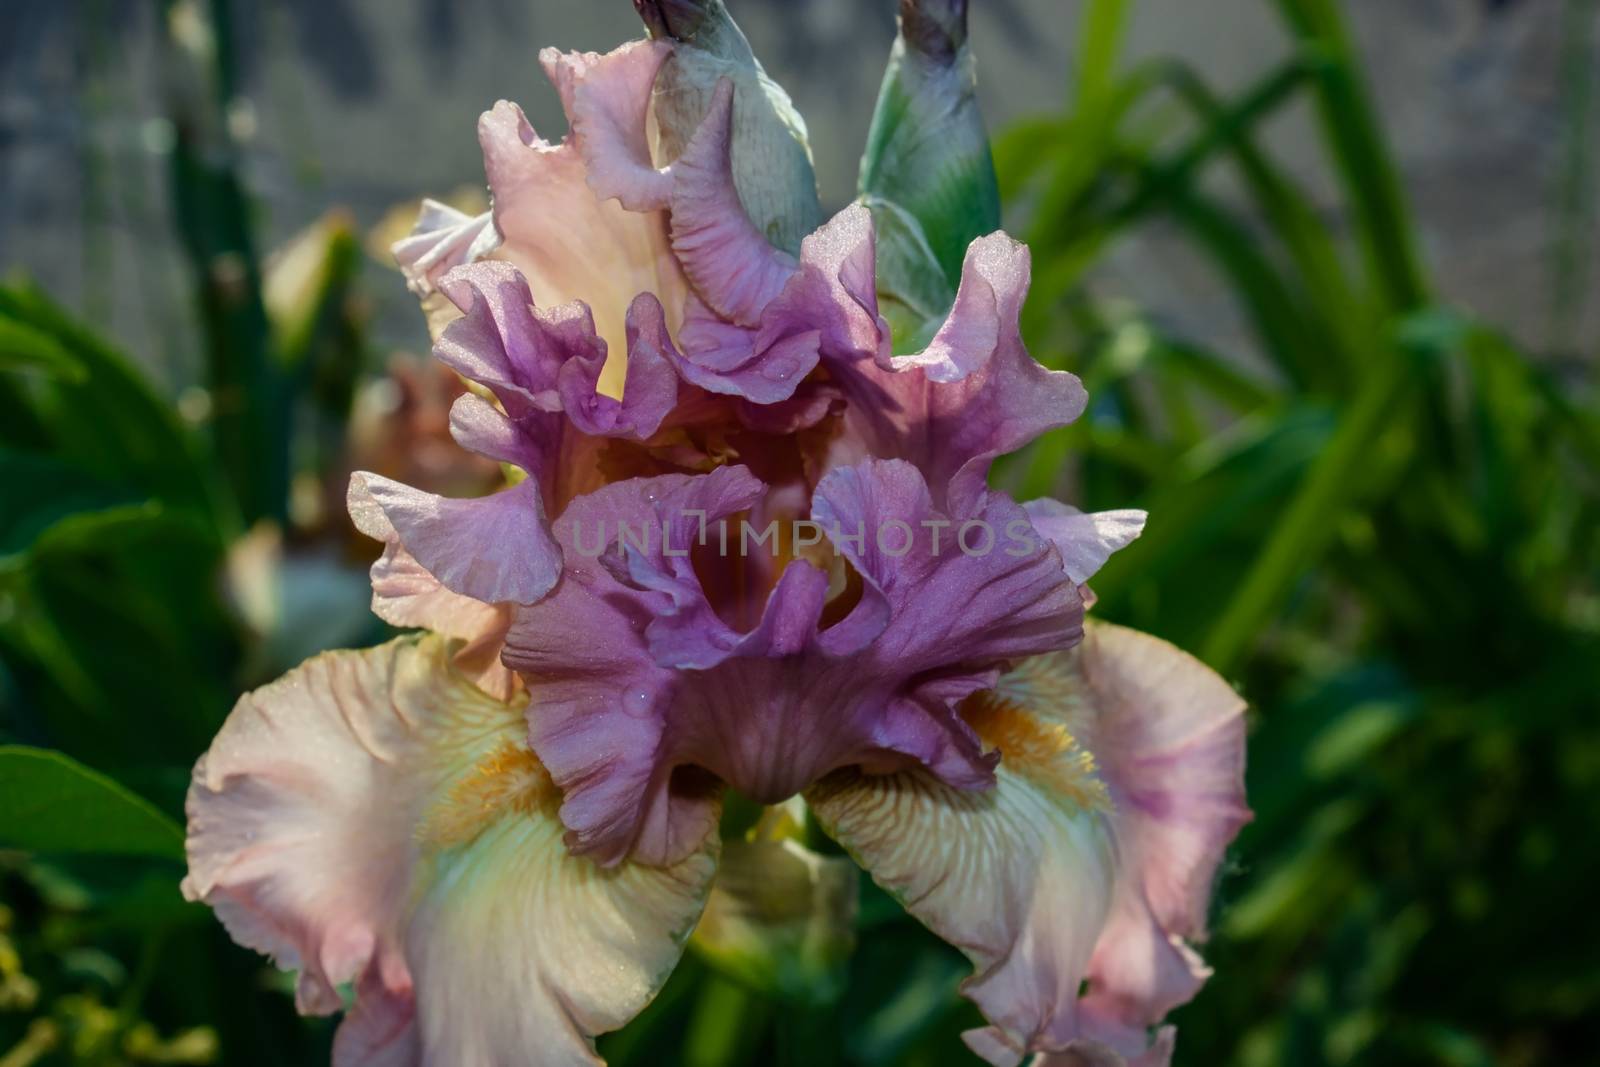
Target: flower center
[508,780]
[1038,749]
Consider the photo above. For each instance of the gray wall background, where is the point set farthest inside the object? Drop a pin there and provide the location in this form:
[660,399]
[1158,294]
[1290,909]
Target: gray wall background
[366,103]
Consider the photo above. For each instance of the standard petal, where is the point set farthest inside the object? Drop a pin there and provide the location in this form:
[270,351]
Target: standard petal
[497,549]
[373,818]
[607,100]
[568,242]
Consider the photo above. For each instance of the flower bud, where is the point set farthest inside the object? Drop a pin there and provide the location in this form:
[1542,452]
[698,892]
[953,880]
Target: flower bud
[928,152]
[781,918]
[772,166]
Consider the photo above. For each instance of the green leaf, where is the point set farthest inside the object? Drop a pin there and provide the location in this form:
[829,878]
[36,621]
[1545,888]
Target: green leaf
[118,624]
[23,348]
[38,490]
[49,803]
[109,423]
[1360,155]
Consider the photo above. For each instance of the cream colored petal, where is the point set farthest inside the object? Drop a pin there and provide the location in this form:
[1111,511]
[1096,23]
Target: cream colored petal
[374,817]
[1019,878]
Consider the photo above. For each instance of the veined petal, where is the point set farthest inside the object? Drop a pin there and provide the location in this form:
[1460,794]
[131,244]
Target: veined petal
[1019,877]
[372,817]
[1085,540]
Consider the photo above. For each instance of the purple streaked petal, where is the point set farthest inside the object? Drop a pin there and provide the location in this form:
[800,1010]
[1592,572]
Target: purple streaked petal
[948,593]
[973,394]
[498,342]
[730,262]
[638,676]
[479,426]
[834,291]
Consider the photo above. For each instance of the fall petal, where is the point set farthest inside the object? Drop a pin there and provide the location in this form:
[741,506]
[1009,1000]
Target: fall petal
[1018,878]
[1167,735]
[372,817]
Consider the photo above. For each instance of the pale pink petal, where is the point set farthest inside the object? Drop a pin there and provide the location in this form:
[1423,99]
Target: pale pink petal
[373,818]
[607,101]
[404,594]
[730,262]
[1167,735]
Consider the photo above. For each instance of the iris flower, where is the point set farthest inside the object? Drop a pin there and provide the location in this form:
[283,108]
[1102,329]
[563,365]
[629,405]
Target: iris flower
[493,837]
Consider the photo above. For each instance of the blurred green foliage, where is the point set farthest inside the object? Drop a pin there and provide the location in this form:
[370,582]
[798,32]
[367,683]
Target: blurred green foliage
[1386,528]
